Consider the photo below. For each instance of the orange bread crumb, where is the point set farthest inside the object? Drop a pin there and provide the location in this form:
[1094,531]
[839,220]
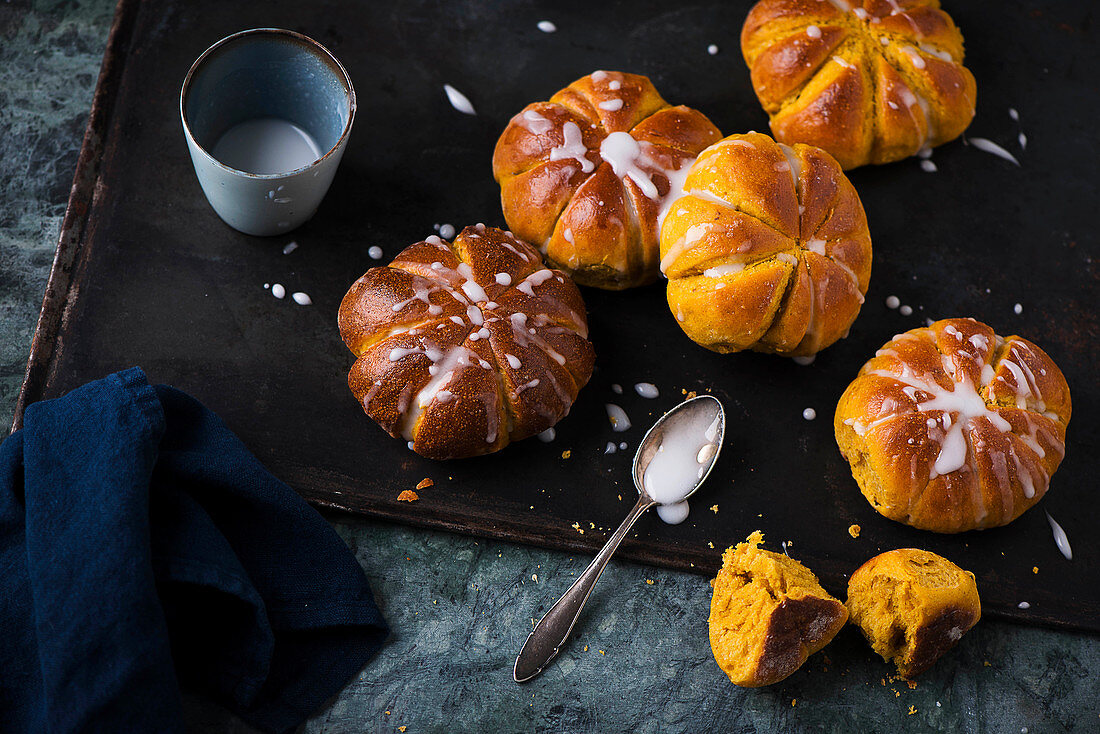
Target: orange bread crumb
[408,496]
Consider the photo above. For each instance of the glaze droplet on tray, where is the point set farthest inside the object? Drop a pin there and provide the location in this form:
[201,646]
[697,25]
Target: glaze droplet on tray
[459,100]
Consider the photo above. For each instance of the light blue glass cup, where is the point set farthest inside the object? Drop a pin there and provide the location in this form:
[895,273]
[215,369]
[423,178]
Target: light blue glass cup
[255,78]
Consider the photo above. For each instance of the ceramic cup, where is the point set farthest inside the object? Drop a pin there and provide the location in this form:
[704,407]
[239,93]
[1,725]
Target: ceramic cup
[257,77]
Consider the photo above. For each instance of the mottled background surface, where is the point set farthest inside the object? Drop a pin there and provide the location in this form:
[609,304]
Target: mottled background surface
[460,608]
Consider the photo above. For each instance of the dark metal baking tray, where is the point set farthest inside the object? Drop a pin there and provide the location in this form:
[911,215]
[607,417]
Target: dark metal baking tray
[146,274]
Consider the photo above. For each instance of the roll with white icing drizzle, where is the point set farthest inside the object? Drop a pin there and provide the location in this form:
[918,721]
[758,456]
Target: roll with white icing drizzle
[870,82]
[766,247]
[585,175]
[952,428]
[467,346]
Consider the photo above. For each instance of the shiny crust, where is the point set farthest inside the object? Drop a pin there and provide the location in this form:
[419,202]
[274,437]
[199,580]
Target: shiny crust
[913,606]
[893,445]
[410,323]
[600,228]
[871,89]
[804,273]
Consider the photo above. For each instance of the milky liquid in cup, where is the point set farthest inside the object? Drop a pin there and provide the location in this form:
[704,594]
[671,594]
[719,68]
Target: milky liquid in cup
[266,146]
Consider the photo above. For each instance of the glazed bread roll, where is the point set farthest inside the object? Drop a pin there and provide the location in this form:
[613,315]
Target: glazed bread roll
[768,614]
[951,427]
[464,347]
[870,81]
[913,606]
[767,249]
[584,175]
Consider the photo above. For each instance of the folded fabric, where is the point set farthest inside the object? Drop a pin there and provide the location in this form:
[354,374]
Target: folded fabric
[142,546]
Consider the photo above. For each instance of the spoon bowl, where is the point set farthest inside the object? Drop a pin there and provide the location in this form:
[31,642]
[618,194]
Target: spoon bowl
[680,449]
[705,411]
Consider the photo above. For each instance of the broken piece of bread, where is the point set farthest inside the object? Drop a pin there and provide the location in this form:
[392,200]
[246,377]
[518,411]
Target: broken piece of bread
[913,606]
[768,614]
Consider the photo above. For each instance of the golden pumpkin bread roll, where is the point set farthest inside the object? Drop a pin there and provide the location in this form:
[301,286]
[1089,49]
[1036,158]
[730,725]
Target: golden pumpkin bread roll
[584,175]
[768,614]
[464,347]
[870,81]
[951,427]
[767,249]
[913,606]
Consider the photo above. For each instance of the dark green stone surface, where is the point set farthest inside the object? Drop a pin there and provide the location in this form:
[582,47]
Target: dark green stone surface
[461,607]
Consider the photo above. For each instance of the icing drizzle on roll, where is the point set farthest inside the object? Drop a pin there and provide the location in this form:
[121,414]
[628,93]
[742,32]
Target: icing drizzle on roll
[477,329]
[993,414]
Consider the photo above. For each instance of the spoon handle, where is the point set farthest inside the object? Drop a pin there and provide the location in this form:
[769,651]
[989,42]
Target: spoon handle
[548,636]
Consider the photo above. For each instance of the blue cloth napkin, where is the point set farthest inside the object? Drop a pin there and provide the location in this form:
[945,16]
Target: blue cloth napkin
[142,546]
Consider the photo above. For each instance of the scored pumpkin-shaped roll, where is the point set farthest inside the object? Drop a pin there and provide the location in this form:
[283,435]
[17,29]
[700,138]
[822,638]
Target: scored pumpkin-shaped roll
[952,427]
[767,249]
[870,81]
[464,347]
[584,176]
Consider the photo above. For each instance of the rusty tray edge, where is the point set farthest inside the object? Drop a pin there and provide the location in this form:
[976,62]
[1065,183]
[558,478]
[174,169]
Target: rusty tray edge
[71,240]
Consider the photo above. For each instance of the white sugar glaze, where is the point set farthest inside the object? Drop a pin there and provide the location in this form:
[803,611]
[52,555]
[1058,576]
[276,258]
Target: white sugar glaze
[534,122]
[266,146]
[680,462]
[956,410]
[1060,538]
[547,26]
[448,362]
[623,152]
[914,57]
[375,252]
[459,100]
[988,146]
[647,390]
[619,420]
[572,147]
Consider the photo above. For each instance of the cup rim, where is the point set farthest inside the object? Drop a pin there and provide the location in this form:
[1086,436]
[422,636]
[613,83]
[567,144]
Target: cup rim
[301,38]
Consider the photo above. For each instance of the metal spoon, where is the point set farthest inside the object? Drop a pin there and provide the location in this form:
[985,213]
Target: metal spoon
[550,634]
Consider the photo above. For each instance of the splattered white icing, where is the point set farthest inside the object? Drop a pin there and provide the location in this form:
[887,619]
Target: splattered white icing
[618,418]
[459,100]
[1060,538]
[988,146]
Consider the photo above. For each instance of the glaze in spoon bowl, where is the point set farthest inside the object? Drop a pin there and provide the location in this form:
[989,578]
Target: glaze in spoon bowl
[672,462]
